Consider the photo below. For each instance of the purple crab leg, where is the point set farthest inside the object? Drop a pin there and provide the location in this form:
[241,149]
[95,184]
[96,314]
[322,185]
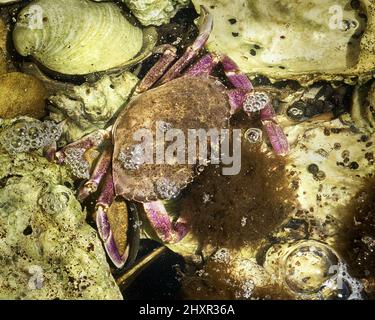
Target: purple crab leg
[157,71]
[244,97]
[235,76]
[90,141]
[204,66]
[275,133]
[237,99]
[193,50]
[103,204]
[101,169]
[238,96]
[168,231]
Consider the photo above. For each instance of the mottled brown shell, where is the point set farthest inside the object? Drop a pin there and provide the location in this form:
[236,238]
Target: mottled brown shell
[185,103]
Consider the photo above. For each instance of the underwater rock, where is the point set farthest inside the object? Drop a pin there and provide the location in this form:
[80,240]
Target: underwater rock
[21,95]
[47,250]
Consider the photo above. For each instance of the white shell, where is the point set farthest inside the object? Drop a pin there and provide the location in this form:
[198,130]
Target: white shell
[76,37]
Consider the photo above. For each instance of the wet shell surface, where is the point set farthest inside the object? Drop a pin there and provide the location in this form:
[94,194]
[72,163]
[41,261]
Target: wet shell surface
[76,37]
[300,40]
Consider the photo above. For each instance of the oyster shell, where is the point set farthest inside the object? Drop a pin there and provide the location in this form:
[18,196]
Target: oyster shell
[8,1]
[91,106]
[47,250]
[155,12]
[306,41]
[76,37]
[363,107]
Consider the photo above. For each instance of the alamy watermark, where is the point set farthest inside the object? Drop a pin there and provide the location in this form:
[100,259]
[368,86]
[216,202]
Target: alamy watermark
[173,146]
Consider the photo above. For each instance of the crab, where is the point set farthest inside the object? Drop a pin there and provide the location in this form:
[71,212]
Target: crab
[173,94]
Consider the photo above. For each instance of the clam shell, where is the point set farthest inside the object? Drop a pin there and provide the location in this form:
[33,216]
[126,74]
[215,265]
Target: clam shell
[76,37]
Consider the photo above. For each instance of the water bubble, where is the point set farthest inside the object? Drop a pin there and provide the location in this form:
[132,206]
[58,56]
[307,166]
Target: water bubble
[75,160]
[16,143]
[222,256]
[308,266]
[21,132]
[33,132]
[54,203]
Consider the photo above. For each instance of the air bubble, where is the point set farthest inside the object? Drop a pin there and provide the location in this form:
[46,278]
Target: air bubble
[166,189]
[132,158]
[33,133]
[54,203]
[256,101]
[75,160]
[29,135]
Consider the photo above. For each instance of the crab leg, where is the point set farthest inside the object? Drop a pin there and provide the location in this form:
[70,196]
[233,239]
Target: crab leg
[157,71]
[204,66]
[101,169]
[50,151]
[237,97]
[90,141]
[275,133]
[244,97]
[235,76]
[168,231]
[192,51]
[103,204]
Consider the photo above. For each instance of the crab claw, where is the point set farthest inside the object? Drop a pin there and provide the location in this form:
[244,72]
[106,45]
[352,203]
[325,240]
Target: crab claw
[104,228]
[108,239]
[168,231]
[101,169]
